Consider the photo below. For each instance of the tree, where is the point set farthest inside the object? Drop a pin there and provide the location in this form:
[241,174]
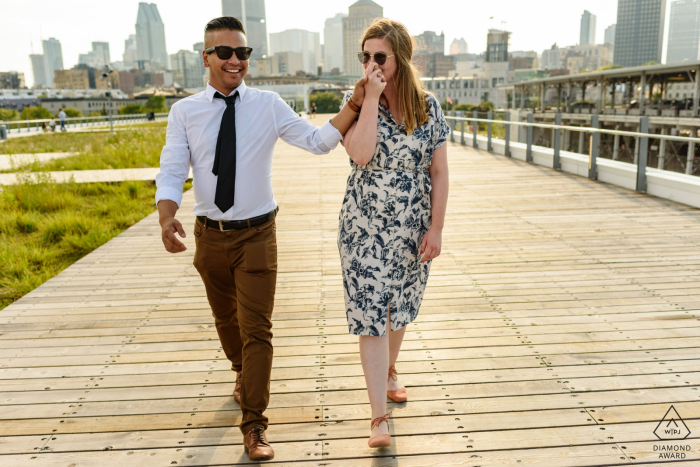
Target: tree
[35,113]
[326,102]
[465,107]
[8,114]
[155,104]
[72,112]
[131,109]
[486,106]
[609,67]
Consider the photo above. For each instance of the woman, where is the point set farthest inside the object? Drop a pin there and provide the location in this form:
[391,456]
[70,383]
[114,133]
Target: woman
[393,210]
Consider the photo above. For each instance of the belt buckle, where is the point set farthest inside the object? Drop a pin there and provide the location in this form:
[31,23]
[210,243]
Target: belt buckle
[221,225]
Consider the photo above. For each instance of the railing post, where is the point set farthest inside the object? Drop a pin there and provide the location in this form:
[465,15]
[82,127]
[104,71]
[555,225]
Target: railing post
[556,164]
[475,114]
[528,153]
[593,154]
[506,151]
[453,125]
[461,134]
[643,153]
[489,130]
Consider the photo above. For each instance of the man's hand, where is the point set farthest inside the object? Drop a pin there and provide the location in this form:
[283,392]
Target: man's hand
[358,95]
[169,226]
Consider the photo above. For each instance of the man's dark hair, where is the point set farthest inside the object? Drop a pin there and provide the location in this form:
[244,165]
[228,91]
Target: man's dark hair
[224,23]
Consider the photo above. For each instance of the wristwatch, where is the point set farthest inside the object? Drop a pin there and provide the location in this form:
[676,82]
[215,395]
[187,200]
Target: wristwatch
[354,106]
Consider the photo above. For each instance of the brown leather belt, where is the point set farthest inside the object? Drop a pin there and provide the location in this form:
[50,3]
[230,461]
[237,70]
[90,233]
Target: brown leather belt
[240,224]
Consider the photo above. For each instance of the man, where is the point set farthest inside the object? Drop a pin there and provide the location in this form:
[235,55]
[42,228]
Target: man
[62,118]
[227,134]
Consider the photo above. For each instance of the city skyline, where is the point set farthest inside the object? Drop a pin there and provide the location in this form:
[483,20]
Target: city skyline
[55,21]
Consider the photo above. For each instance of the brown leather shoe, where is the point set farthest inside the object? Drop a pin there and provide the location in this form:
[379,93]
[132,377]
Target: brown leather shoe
[237,389]
[256,445]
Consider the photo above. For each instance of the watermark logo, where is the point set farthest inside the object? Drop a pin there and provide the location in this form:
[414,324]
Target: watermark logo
[671,426]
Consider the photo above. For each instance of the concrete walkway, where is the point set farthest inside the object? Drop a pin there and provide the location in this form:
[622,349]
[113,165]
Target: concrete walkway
[83,176]
[8,162]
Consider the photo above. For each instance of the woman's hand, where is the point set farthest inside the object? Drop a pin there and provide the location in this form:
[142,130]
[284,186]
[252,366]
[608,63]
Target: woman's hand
[431,244]
[375,82]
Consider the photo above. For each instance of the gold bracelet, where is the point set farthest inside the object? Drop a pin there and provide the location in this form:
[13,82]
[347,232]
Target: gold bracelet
[354,106]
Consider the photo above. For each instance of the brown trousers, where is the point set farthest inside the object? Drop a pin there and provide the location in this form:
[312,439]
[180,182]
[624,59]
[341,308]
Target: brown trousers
[239,271]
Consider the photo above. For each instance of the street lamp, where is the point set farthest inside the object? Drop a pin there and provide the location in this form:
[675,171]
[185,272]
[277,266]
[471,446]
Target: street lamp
[105,75]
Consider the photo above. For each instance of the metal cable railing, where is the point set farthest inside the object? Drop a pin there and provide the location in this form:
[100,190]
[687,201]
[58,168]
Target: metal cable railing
[19,126]
[592,144]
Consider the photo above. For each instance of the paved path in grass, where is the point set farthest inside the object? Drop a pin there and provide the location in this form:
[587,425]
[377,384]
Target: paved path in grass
[18,160]
[83,176]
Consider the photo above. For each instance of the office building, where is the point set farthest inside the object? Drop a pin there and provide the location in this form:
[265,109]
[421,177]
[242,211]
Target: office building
[458,46]
[429,43]
[71,79]
[684,31]
[361,14]
[150,37]
[588,25]
[39,70]
[53,59]
[639,32]
[98,57]
[12,80]
[252,14]
[186,68]
[307,43]
[131,54]
[279,64]
[333,43]
[610,34]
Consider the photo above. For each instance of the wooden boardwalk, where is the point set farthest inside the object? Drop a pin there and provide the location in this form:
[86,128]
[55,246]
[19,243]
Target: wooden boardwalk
[559,325]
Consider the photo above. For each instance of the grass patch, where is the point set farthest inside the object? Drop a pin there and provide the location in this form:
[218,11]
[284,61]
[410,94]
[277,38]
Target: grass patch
[138,147]
[46,227]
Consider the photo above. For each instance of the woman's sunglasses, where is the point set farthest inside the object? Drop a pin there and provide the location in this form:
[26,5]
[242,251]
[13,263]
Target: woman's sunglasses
[224,52]
[379,57]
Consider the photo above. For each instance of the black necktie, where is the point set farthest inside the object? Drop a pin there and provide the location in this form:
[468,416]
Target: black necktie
[225,156]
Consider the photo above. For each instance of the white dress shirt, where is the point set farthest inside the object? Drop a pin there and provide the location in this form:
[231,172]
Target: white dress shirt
[261,118]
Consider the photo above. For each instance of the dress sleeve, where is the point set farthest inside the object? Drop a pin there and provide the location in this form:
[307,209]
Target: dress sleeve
[442,129]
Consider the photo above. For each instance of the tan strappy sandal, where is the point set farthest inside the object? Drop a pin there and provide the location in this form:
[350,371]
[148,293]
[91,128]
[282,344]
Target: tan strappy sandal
[399,395]
[380,440]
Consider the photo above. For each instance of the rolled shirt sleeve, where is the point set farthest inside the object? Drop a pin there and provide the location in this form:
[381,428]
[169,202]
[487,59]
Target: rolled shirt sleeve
[174,159]
[302,133]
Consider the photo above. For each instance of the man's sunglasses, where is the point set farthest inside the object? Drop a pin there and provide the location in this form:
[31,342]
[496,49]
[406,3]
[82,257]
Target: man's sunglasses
[379,57]
[224,52]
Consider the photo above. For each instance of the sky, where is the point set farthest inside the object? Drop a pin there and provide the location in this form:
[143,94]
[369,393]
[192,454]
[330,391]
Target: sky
[535,24]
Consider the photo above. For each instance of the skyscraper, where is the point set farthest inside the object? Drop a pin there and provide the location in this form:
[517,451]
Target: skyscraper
[131,53]
[97,57]
[38,70]
[458,46]
[588,24]
[150,36]
[53,58]
[298,40]
[361,15]
[252,14]
[333,42]
[684,31]
[610,34]
[639,33]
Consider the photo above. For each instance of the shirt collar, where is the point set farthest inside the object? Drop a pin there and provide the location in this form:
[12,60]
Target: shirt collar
[211,90]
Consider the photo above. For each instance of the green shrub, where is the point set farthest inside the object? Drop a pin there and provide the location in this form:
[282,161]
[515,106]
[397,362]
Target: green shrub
[131,109]
[8,114]
[35,113]
[72,112]
[326,102]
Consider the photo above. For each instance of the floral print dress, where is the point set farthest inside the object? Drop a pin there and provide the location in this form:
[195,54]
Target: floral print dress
[384,217]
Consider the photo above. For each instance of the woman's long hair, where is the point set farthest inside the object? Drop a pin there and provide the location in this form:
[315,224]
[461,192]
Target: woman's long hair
[410,95]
